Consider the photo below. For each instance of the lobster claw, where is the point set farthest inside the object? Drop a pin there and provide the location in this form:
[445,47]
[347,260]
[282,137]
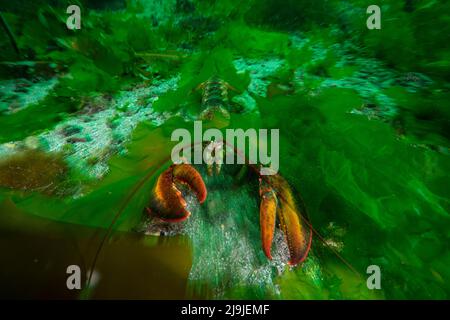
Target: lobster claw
[167,200]
[277,197]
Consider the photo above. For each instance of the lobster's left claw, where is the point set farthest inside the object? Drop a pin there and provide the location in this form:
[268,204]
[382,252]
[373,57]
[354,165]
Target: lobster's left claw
[276,197]
[167,200]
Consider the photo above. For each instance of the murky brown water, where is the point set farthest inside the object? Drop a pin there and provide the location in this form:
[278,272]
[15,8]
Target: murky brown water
[36,252]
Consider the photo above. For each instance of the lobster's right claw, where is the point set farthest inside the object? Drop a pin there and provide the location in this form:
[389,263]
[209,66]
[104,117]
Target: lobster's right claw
[167,200]
[276,197]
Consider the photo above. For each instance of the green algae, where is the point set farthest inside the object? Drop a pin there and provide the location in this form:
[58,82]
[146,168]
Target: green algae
[33,171]
[382,180]
[375,182]
[104,200]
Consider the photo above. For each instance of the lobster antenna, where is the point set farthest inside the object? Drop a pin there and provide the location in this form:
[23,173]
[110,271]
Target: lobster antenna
[348,264]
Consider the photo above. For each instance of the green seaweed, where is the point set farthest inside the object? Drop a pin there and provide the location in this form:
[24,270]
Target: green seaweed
[375,188]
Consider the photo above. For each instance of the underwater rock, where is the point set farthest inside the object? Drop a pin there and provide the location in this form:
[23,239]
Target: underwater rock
[89,139]
[18,94]
[260,70]
[76,140]
[90,106]
[70,130]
